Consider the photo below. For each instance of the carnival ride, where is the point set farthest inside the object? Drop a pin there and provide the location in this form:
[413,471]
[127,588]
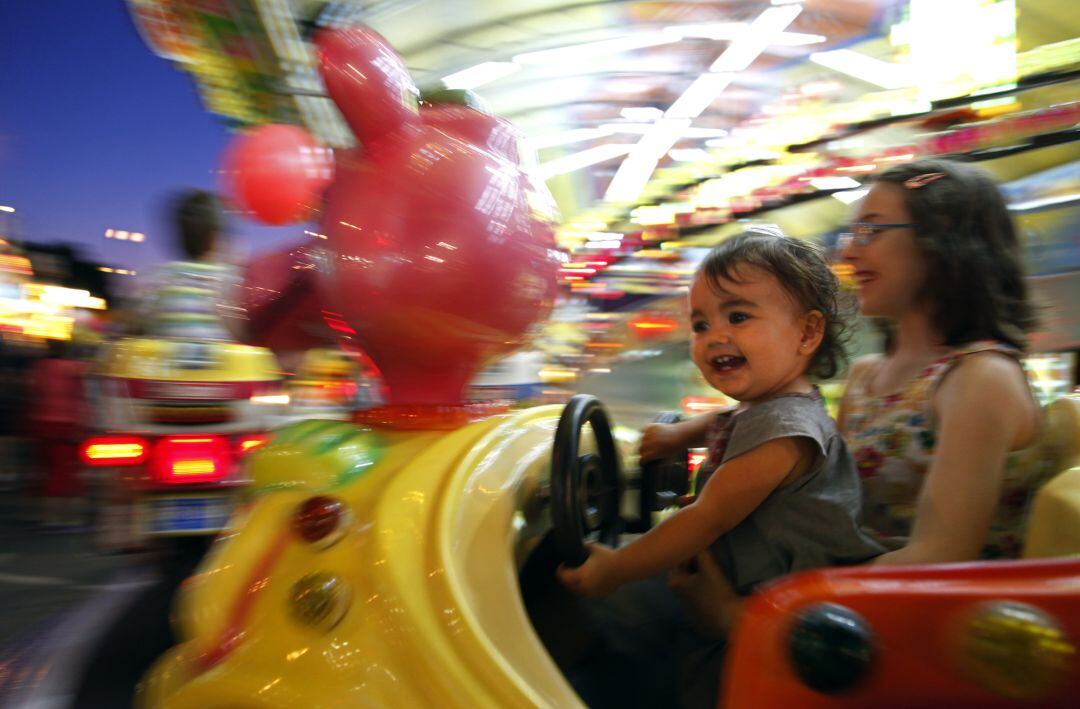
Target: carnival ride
[397,559]
[405,557]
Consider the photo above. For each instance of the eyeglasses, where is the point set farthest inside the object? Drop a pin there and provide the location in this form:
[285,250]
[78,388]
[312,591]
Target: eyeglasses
[863,233]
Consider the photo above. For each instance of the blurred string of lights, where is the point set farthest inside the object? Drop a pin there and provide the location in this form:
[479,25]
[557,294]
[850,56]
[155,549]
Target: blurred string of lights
[124,235]
[771,165]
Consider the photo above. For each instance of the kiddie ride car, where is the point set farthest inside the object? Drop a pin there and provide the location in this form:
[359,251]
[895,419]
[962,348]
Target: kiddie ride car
[406,558]
[176,419]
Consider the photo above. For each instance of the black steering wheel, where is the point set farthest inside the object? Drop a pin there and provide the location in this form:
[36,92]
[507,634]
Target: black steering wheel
[585,489]
[663,480]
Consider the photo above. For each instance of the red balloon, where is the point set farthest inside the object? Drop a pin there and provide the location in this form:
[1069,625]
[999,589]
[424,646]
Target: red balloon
[277,172]
[443,249]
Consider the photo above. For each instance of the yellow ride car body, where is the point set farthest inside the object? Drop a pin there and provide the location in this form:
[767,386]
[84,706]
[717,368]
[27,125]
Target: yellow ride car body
[441,522]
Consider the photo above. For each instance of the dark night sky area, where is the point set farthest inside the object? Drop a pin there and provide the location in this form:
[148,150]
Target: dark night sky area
[97,132]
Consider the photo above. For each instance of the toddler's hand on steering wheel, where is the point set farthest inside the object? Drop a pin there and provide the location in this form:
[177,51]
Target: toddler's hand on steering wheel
[595,578]
[658,440]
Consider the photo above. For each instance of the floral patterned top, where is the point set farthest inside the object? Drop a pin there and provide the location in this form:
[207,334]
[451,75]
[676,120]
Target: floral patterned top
[893,439]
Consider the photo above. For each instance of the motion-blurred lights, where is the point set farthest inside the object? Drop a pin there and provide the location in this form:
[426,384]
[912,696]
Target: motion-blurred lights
[579,52]
[480,74]
[699,95]
[569,137]
[1045,202]
[643,128]
[835,183]
[689,155]
[727,31]
[123,235]
[819,88]
[693,132]
[634,173]
[860,66]
[5,208]
[742,52]
[849,196]
[585,158]
[556,375]
[641,113]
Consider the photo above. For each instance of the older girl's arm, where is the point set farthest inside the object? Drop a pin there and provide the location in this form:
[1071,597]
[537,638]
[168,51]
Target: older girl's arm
[984,409]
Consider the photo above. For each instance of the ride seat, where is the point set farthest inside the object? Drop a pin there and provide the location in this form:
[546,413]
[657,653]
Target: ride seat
[1054,527]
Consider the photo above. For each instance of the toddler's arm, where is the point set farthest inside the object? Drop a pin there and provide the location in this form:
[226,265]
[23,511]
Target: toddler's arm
[732,493]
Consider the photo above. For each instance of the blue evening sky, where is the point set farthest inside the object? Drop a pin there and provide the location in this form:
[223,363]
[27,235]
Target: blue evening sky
[97,132]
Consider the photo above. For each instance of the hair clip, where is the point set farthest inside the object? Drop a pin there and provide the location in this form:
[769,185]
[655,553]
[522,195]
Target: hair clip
[914,183]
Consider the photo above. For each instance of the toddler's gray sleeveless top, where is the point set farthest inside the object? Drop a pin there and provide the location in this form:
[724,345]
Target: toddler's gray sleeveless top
[812,521]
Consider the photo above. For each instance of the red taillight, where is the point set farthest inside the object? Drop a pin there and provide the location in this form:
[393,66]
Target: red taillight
[191,459]
[114,450]
[248,443]
[320,520]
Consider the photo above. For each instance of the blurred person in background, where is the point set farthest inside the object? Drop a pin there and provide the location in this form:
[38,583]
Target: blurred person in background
[185,298]
[58,413]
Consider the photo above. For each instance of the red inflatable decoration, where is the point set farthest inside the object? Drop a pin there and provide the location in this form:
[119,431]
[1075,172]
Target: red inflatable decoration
[282,304]
[442,247]
[277,172]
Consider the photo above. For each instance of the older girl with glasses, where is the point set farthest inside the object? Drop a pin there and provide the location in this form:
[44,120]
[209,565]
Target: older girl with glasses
[933,421]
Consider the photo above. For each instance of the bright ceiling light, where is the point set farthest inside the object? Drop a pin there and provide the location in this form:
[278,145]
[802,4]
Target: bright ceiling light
[689,155]
[860,66]
[692,132]
[742,52]
[709,30]
[634,173]
[578,52]
[643,128]
[479,75]
[699,95]
[592,156]
[797,39]
[728,31]
[638,128]
[849,196]
[641,113]
[835,183]
[817,88]
[568,137]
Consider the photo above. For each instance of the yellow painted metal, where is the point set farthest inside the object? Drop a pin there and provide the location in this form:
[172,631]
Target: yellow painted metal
[159,358]
[436,616]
